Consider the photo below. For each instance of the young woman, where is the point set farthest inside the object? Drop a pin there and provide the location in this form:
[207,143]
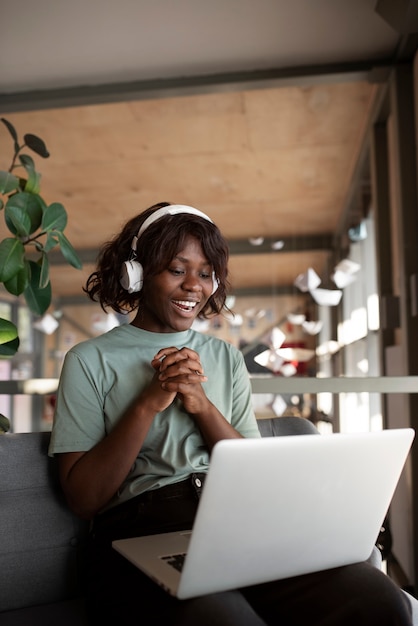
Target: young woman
[138,412]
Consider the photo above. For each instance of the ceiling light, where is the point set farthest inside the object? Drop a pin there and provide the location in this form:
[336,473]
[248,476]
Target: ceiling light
[277,245]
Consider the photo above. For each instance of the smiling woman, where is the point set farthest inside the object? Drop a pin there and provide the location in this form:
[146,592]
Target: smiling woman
[138,412]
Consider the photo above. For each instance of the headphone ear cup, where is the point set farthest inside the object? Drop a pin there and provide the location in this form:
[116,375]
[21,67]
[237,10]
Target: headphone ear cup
[215,283]
[131,276]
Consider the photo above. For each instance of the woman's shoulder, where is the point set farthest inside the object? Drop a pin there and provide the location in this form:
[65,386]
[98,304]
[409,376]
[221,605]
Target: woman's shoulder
[111,340]
[215,344]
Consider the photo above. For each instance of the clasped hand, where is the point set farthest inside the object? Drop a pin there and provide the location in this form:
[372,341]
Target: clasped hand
[179,372]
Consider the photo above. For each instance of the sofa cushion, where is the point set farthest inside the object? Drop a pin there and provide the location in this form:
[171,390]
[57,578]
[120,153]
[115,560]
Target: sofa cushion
[41,538]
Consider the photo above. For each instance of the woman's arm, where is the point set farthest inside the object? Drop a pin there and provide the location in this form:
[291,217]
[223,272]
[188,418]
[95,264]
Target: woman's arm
[90,479]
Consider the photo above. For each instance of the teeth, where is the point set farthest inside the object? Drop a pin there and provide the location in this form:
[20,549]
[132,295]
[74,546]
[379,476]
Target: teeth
[186,303]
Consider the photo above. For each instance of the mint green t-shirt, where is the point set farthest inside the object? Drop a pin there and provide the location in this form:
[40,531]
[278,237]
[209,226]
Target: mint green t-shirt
[101,377]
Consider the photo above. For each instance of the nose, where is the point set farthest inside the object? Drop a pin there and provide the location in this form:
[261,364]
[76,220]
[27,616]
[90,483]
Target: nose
[192,282]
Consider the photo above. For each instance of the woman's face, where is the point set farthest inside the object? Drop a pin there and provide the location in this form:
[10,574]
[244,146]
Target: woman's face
[173,299]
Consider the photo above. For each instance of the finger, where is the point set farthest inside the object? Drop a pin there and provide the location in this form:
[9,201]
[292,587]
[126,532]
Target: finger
[164,352]
[162,356]
[191,354]
[182,384]
[185,355]
[181,352]
[179,368]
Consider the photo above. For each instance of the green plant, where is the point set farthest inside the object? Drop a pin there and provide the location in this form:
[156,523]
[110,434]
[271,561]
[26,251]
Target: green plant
[35,229]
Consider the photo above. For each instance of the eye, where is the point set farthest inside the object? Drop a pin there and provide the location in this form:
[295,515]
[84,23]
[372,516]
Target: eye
[205,275]
[176,271]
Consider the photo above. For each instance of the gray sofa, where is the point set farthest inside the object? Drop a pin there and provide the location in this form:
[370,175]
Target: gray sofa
[41,540]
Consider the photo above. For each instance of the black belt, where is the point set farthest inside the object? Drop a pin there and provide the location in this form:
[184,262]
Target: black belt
[191,487]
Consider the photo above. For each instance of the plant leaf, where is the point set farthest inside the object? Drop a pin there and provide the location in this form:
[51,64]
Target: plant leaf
[17,220]
[28,204]
[8,331]
[37,298]
[8,182]
[68,252]
[12,254]
[19,282]
[9,340]
[13,133]
[27,162]
[9,348]
[55,217]
[36,144]
[51,241]
[4,424]
[33,184]
[44,276]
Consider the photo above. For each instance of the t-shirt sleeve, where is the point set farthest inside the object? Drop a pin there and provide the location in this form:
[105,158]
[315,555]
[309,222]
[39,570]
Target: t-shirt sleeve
[243,416]
[78,420]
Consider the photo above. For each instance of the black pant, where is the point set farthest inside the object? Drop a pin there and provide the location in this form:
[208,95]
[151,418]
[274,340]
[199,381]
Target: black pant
[118,593]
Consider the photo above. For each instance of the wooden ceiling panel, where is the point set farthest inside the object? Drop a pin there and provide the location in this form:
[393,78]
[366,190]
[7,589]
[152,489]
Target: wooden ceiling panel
[310,116]
[266,162]
[271,193]
[275,270]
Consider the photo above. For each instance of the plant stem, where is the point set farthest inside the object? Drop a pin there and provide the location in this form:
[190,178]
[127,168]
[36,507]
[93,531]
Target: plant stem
[13,164]
[30,239]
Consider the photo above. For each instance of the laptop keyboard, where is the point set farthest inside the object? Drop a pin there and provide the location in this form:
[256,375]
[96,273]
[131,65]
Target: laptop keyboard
[175,560]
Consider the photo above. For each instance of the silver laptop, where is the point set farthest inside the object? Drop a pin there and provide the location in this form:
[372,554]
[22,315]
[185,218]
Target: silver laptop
[278,507]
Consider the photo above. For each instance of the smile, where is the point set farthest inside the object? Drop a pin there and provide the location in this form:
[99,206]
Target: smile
[184,305]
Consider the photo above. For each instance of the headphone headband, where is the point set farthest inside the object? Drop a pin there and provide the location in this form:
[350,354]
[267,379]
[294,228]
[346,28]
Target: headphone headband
[172,209]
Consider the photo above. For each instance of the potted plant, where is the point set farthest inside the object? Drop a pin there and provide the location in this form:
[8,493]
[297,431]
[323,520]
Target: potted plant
[34,229]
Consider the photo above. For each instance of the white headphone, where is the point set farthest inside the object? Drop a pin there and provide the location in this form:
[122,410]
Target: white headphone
[132,274]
